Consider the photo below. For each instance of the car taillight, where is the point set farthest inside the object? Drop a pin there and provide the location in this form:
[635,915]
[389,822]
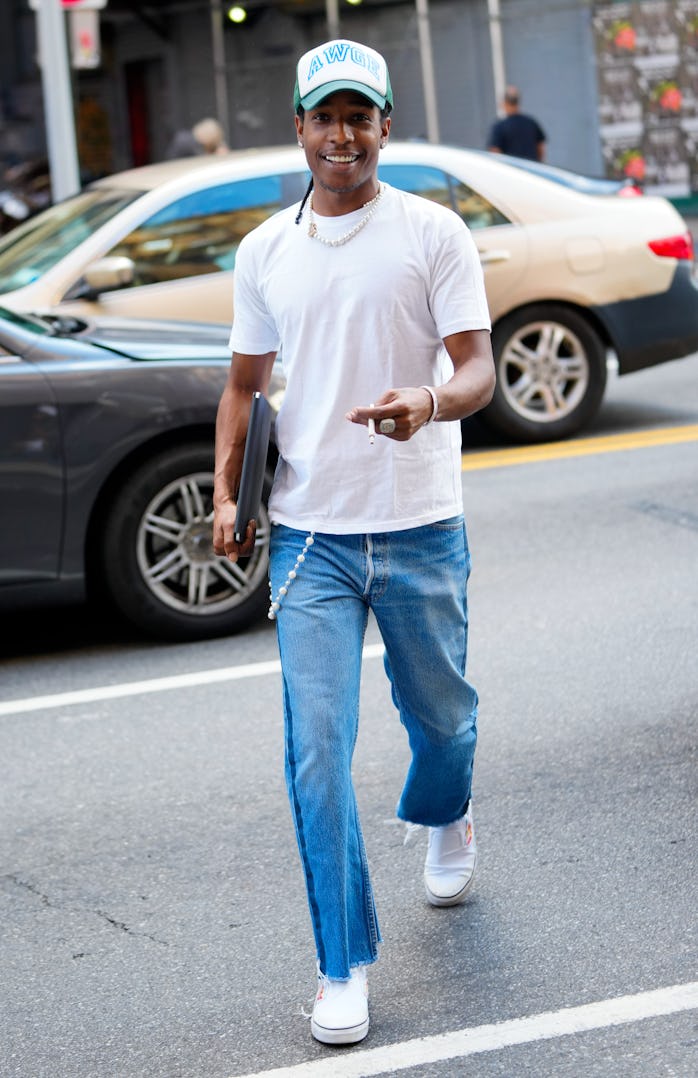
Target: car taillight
[674,247]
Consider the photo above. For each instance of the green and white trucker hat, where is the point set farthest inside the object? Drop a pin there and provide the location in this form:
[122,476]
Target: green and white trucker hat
[342,65]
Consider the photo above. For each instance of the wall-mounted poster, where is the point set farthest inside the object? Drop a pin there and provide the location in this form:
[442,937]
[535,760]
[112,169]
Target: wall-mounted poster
[647,67]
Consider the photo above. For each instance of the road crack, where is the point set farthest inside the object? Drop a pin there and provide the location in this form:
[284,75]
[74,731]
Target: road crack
[683,518]
[46,901]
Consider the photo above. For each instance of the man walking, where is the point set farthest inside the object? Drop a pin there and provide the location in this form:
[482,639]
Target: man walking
[376,298]
[517,134]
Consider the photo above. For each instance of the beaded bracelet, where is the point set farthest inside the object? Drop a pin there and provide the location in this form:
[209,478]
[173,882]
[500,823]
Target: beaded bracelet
[434,404]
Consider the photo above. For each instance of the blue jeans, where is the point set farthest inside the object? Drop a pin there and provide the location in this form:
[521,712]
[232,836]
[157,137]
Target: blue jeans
[414,581]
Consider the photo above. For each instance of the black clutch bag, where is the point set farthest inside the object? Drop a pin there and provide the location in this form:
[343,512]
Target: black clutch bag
[254,464]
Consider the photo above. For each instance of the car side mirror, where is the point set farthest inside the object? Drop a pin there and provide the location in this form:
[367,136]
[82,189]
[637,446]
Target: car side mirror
[104,275]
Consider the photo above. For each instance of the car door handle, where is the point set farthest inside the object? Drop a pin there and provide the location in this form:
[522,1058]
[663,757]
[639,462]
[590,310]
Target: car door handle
[494,256]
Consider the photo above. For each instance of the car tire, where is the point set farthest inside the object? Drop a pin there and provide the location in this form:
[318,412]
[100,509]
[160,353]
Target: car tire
[157,563]
[551,374]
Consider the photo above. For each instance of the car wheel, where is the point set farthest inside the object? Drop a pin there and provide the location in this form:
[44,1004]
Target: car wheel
[551,374]
[158,565]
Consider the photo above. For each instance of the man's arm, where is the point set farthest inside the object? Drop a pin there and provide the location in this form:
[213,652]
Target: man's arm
[247,375]
[468,390]
[472,384]
[494,142]
[540,141]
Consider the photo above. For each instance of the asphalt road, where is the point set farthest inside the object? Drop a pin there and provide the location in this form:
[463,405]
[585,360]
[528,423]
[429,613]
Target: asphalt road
[153,923]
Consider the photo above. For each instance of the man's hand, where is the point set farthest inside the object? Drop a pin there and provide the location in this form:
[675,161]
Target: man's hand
[409,408]
[247,375]
[224,543]
[468,390]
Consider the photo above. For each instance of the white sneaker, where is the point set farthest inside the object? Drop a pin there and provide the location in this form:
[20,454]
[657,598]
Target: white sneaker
[340,1011]
[451,858]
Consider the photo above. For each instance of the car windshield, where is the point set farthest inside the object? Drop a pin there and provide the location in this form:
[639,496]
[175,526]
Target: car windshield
[34,247]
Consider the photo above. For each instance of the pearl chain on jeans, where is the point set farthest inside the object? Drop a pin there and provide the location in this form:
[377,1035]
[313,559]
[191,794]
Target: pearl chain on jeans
[283,590]
[341,240]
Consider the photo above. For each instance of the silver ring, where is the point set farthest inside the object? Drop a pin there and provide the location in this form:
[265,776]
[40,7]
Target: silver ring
[386,426]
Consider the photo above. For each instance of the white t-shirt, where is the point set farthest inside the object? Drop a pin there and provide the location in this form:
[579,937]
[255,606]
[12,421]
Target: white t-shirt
[352,322]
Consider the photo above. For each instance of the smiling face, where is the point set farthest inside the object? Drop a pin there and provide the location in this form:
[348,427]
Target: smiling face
[342,137]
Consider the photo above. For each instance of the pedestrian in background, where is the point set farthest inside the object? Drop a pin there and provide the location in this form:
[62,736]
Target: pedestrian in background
[210,135]
[377,301]
[204,137]
[517,134]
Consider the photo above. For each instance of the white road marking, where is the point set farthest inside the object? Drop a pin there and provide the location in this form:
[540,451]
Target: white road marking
[158,684]
[470,1042]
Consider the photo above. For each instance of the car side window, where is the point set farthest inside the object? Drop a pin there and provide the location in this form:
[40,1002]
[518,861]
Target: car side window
[439,186]
[200,232]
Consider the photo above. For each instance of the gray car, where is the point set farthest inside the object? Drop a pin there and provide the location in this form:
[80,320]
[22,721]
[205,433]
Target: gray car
[106,473]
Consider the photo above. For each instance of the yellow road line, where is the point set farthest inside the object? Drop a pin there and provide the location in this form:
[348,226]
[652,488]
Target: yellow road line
[578,447]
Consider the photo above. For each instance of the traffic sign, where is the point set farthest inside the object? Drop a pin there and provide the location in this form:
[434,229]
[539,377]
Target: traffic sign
[84,39]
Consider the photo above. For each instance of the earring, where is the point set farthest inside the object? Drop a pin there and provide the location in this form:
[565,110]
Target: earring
[300,144]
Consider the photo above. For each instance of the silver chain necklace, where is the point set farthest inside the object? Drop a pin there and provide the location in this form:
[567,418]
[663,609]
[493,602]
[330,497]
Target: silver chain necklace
[370,207]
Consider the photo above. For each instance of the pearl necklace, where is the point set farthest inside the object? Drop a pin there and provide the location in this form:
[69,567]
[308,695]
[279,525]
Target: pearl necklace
[370,207]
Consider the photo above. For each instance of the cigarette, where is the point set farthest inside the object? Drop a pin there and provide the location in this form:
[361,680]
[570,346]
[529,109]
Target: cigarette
[371,429]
